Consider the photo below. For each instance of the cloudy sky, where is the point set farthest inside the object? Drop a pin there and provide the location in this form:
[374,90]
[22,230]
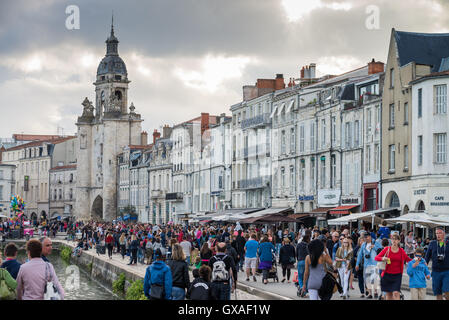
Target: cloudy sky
[184,57]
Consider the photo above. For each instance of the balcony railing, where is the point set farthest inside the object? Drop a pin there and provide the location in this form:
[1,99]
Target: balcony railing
[174,196]
[156,193]
[257,150]
[259,182]
[260,120]
[370,97]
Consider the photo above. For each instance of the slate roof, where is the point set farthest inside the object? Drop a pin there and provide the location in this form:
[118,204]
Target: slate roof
[40,142]
[431,76]
[348,92]
[33,137]
[422,48]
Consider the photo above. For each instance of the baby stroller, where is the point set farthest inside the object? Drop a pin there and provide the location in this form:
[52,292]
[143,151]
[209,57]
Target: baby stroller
[273,272]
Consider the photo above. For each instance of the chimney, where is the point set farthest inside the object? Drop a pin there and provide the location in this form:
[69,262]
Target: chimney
[156,135]
[144,138]
[375,67]
[290,83]
[166,131]
[204,122]
[312,70]
[302,72]
[279,82]
[249,92]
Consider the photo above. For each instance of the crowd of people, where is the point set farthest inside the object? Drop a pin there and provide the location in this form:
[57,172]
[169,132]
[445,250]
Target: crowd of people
[213,254]
[43,228]
[202,262]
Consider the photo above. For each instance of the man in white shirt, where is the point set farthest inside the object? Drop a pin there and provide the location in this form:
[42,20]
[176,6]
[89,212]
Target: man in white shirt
[186,248]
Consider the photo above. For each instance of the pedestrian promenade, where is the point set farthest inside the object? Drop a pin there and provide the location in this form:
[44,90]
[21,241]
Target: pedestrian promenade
[273,290]
[140,269]
[288,290]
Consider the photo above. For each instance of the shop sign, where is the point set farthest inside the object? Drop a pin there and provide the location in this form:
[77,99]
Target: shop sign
[328,197]
[419,192]
[306,198]
[439,201]
[350,201]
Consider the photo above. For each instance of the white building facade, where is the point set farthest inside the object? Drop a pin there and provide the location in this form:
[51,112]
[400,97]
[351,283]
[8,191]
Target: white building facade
[7,186]
[429,184]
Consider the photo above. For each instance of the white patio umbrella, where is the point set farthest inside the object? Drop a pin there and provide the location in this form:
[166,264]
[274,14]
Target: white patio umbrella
[439,218]
[418,217]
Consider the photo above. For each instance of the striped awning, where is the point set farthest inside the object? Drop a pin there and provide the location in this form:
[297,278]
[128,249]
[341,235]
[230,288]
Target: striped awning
[342,209]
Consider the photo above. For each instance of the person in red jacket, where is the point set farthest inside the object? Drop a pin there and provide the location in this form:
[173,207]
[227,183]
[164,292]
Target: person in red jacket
[110,244]
[395,258]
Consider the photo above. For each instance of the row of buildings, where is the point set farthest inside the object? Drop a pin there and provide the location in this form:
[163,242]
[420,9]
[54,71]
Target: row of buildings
[370,139]
[42,170]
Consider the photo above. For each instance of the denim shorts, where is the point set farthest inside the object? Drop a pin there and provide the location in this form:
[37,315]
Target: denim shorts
[440,282]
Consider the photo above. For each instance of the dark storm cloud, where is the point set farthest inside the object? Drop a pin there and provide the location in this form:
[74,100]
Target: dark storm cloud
[178,34]
[159,27]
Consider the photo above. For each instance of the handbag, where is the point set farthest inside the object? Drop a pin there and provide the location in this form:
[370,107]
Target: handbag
[382,265]
[6,293]
[329,286]
[157,291]
[51,292]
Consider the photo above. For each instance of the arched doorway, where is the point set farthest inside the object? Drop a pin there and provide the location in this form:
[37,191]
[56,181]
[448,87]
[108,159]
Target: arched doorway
[406,209]
[97,208]
[420,206]
[392,200]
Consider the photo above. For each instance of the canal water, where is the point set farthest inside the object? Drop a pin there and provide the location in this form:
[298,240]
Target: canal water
[89,289]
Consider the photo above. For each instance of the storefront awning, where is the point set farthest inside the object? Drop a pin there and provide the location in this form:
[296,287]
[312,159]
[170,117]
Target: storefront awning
[342,209]
[367,216]
[421,218]
[298,216]
[265,212]
[284,210]
[321,210]
[270,218]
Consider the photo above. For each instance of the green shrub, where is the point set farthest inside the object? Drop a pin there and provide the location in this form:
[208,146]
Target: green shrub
[135,291]
[118,286]
[89,267]
[65,254]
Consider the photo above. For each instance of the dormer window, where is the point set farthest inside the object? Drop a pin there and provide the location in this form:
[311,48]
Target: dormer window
[118,77]
[103,78]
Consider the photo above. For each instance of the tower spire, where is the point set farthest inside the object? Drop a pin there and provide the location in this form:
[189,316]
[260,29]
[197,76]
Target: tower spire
[112,24]
[112,41]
